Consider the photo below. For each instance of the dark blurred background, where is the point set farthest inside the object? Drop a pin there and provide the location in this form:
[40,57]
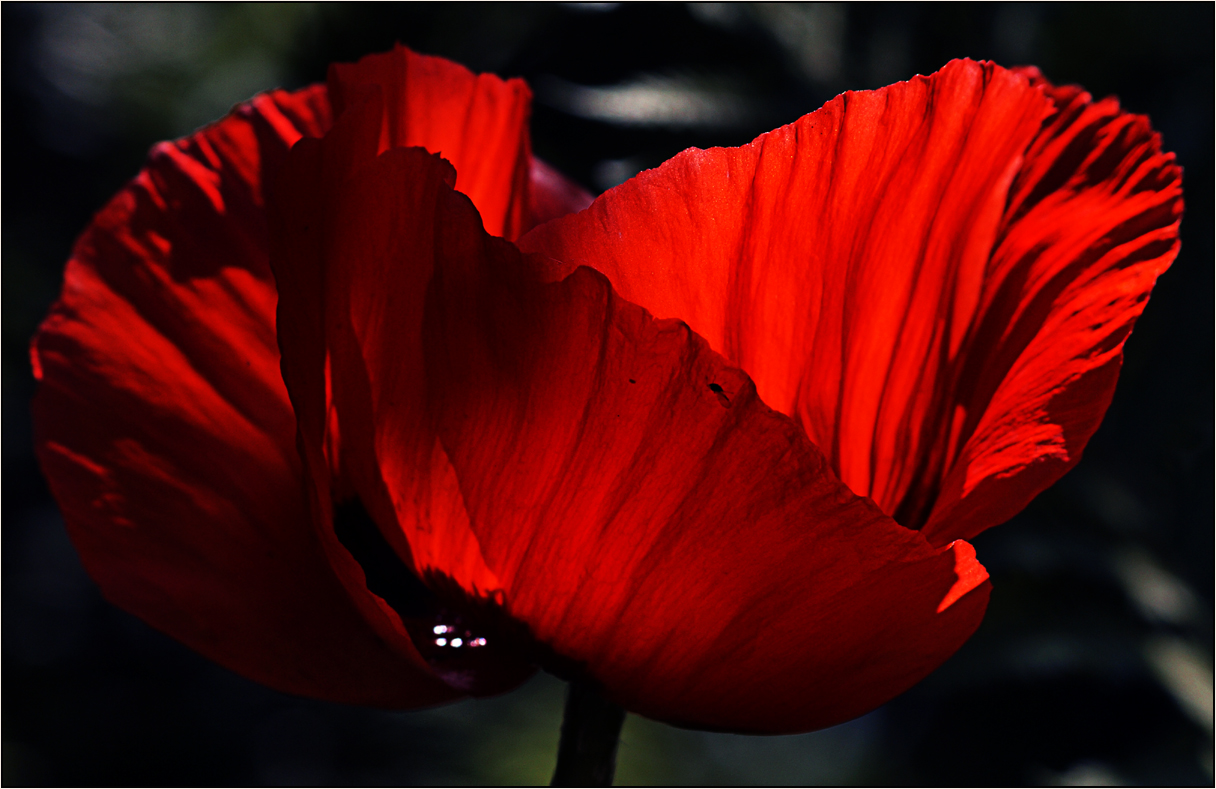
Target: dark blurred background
[1094,664]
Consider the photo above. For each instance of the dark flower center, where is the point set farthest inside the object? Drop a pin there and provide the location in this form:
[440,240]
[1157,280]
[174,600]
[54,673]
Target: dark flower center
[466,642]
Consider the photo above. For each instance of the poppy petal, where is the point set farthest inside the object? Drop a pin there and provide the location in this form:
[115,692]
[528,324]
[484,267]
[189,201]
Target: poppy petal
[478,122]
[352,288]
[634,503]
[834,259]
[1092,220]
[166,433]
[850,262]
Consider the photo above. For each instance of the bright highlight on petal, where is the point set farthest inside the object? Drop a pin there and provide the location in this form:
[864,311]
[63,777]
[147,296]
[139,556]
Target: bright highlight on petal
[968,572]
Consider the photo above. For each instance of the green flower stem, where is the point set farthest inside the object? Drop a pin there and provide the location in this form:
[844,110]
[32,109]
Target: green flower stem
[591,730]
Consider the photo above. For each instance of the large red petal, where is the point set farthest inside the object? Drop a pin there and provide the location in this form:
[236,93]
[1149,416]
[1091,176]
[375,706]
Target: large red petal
[838,260]
[621,487]
[166,433]
[478,122]
[862,265]
[1091,222]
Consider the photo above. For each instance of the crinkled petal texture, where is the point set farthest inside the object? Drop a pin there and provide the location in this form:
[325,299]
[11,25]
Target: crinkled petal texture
[600,477]
[163,424]
[934,279]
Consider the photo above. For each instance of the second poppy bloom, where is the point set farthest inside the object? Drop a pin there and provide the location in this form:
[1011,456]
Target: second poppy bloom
[713,444]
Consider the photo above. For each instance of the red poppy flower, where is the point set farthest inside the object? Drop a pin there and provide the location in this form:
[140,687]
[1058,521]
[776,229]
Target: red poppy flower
[714,443]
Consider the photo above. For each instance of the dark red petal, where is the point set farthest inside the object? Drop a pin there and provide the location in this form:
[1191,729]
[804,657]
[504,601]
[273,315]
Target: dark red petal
[352,287]
[851,263]
[621,487]
[478,122]
[165,430]
[1091,222]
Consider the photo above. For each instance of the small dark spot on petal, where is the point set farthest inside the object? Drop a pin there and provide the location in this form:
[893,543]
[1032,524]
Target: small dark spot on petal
[632,381]
[721,395]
